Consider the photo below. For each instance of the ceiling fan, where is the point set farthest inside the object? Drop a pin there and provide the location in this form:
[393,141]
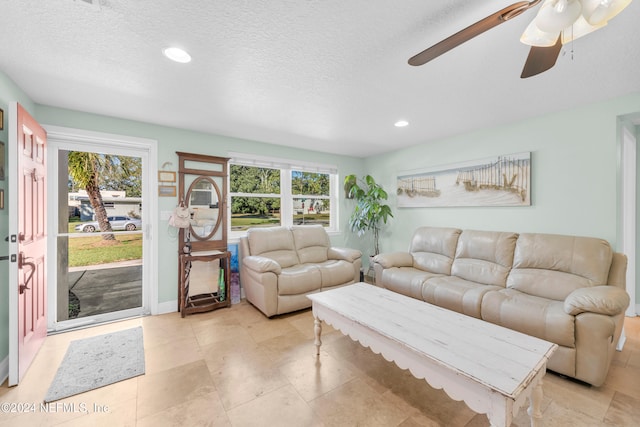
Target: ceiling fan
[557,23]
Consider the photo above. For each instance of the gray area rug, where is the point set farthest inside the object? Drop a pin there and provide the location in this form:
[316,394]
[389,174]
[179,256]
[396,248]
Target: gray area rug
[98,361]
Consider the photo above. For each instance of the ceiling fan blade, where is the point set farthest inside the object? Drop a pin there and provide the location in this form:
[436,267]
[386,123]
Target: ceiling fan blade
[540,59]
[470,32]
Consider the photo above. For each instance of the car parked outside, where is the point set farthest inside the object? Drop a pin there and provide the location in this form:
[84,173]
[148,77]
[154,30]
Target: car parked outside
[117,223]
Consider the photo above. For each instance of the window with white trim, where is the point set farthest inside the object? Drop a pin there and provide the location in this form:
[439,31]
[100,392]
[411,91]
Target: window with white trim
[267,192]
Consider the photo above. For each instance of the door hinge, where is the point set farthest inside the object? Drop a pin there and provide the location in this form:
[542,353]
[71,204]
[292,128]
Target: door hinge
[13,258]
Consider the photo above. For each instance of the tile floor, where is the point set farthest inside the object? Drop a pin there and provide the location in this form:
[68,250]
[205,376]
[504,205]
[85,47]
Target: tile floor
[234,367]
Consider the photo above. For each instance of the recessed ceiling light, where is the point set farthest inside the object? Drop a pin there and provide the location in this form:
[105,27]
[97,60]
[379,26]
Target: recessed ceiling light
[401,123]
[177,54]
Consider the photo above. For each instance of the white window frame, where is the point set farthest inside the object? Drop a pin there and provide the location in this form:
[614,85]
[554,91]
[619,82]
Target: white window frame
[286,167]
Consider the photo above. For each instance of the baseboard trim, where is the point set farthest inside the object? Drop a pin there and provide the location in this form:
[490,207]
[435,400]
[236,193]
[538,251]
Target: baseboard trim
[167,307]
[4,370]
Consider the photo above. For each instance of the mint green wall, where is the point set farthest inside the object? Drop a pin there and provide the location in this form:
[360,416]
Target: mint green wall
[574,178]
[171,140]
[9,92]
[574,174]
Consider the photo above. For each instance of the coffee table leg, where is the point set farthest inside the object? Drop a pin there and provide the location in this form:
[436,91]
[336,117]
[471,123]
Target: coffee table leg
[534,411]
[317,329]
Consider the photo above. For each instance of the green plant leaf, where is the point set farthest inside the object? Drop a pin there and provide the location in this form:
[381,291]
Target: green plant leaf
[369,211]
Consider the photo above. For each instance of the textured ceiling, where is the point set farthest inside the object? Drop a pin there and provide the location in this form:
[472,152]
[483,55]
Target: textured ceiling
[327,75]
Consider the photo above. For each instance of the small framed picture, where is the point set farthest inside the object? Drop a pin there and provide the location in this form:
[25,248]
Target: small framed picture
[1,119]
[166,190]
[166,176]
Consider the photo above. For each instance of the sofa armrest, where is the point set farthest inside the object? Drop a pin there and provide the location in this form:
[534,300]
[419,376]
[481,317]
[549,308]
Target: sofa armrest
[609,300]
[261,264]
[346,254]
[394,259]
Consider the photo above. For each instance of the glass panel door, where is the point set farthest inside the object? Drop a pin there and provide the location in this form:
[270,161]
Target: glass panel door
[100,237]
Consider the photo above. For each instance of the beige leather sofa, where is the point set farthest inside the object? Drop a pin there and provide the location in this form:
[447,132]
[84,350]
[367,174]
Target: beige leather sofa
[565,289]
[280,266]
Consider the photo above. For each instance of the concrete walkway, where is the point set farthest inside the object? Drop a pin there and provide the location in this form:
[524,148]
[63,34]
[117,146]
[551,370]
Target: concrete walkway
[107,287]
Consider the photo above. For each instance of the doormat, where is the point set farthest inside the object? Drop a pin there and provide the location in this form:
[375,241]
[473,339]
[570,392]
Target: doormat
[95,362]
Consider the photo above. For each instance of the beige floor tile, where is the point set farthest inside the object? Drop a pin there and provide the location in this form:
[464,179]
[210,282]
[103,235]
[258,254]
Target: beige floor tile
[313,376]
[202,411]
[431,403]
[236,367]
[221,317]
[281,408]
[559,416]
[236,392]
[241,364]
[579,397]
[164,329]
[35,418]
[248,314]
[625,380]
[304,323]
[106,397]
[288,348]
[422,421]
[263,331]
[37,380]
[106,406]
[162,390]
[634,358]
[211,333]
[624,411]
[120,414]
[355,403]
[172,354]
[217,352]
[242,377]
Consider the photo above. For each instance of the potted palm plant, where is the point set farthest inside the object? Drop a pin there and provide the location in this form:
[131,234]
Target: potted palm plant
[370,211]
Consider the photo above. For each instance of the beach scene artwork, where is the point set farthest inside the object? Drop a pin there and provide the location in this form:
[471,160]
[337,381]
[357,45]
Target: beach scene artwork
[496,181]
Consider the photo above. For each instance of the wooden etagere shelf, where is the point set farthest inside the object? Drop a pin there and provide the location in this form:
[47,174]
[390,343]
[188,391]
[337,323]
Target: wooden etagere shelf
[202,184]
[205,301]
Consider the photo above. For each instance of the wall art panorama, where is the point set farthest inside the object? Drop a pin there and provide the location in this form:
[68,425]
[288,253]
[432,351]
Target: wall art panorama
[497,181]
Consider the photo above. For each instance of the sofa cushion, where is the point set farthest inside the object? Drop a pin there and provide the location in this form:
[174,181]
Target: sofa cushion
[553,266]
[433,248]
[455,293]
[299,279]
[484,256]
[540,317]
[405,280]
[275,243]
[336,272]
[311,242]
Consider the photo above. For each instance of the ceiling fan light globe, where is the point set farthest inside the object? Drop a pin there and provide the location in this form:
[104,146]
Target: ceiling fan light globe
[598,12]
[534,36]
[556,15]
[579,28]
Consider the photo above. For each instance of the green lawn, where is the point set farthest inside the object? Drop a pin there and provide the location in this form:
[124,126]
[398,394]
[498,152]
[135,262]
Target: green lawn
[93,250]
[242,222]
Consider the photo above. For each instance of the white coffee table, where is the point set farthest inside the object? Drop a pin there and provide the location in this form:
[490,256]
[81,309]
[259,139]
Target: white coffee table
[494,370]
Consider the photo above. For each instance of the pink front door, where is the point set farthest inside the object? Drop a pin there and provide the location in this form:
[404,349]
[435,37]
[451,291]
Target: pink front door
[31,239]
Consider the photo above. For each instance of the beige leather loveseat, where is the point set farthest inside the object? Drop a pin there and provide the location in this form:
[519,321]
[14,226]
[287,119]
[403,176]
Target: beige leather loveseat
[564,289]
[280,266]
